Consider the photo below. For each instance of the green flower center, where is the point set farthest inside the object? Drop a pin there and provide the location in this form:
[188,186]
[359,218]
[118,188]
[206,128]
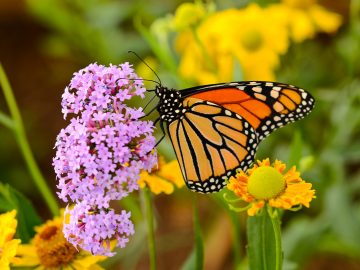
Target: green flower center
[252,40]
[265,183]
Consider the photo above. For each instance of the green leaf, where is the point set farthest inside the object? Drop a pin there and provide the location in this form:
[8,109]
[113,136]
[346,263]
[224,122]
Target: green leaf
[26,215]
[340,211]
[301,238]
[261,242]
[190,262]
[196,258]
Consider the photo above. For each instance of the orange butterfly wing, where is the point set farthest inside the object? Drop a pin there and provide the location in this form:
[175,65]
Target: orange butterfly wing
[265,105]
[211,143]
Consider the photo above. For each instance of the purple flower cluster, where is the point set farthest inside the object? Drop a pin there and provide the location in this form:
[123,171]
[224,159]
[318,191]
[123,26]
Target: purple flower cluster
[100,154]
[96,90]
[101,226]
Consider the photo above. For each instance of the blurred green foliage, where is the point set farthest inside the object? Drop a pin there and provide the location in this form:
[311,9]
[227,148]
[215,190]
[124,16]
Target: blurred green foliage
[326,145]
[26,214]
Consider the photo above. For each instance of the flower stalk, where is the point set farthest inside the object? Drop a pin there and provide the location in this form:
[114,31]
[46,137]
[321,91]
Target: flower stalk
[267,187]
[264,240]
[276,224]
[18,128]
[149,212]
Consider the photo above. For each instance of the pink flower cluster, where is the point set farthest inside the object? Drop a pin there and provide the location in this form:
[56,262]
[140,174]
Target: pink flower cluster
[101,226]
[100,154]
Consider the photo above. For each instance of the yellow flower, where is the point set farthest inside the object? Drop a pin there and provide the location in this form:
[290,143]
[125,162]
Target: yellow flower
[266,183]
[163,178]
[249,36]
[305,18]
[188,15]
[49,250]
[8,245]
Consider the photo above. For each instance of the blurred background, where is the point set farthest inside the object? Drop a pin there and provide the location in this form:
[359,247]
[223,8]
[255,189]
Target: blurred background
[43,42]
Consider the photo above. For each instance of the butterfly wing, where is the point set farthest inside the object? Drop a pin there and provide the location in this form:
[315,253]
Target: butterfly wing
[211,143]
[265,105]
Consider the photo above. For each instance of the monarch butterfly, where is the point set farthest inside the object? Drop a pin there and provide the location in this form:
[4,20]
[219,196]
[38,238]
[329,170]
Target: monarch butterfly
[215,129]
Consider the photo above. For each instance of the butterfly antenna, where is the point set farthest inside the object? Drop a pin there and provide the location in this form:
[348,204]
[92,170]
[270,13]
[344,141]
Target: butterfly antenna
[142,60]
[138,79]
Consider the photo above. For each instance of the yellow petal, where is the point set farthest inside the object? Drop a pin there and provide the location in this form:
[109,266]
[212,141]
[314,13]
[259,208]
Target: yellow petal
[302,27]
[27,256]
[325,20]
[171,172]
[8,225]
[157,184]
[4,264]
[255,207]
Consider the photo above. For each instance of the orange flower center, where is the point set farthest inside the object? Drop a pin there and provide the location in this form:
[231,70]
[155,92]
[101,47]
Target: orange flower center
[266,183]
[52,248]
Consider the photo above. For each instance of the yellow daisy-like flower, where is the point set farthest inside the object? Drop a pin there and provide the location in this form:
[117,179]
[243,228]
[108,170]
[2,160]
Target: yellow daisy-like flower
[163,178]
[305,18]
[188,15]
[8,245]
[49,250]
[266,183]
[249,36]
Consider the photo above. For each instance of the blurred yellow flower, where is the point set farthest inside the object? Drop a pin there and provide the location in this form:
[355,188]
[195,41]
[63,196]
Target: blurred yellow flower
[8,245]
[305,18]
[266,183]
[249,36]
[49,250]
[188,15]
[163,178]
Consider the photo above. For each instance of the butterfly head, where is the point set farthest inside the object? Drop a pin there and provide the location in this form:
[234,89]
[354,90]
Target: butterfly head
[170,105]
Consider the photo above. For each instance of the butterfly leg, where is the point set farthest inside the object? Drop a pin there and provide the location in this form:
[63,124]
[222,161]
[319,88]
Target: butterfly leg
[152,110]
[162,129]
[149,102]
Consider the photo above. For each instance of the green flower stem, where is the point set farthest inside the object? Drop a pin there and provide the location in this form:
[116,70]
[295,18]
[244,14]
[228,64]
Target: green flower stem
[18,128]
[6,121]
[165,56]
[264,240]
[199,245]
[275,221]
[236,233]
[150,225]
